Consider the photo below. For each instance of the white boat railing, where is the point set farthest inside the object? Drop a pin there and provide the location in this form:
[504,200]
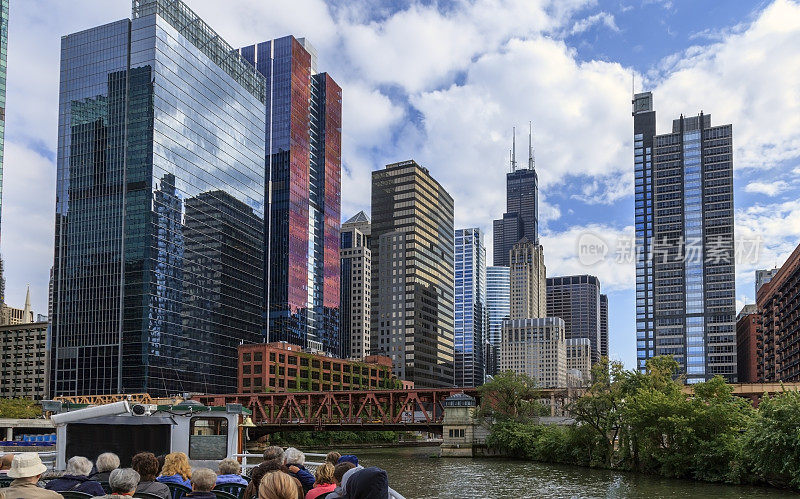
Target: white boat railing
[260,457]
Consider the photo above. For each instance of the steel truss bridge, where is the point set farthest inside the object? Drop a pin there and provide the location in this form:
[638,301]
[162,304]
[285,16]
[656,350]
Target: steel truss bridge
[414,409]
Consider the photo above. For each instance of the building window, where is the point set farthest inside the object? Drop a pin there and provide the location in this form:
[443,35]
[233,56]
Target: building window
[208,438]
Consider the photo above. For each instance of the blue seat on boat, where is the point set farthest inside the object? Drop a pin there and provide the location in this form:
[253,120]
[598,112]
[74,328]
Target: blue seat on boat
[234,489]
[177,490]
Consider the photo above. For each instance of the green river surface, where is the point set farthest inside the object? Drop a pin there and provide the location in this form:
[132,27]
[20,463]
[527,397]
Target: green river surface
[415,474]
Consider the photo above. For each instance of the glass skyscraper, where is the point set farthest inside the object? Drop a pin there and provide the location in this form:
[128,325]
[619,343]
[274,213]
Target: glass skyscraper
[685,290]
[521,219]
[498,306]
[471,317]
[576,299]
[604,325]
[303,147]
[159,243]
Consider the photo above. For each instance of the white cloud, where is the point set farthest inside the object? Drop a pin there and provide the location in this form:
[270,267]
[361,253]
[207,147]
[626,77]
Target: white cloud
[750,79]
[616,267]
[28,221]
[767,188]
[603,18]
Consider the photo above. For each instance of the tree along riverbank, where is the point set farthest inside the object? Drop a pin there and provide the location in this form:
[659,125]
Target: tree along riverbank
[643,422]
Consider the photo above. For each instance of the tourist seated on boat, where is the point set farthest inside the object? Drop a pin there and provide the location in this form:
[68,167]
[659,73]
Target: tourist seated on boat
[278,485]
[274,453]
[323,482]
[203,480]
[229,470]
[26,470]
[146,464]
[333,457]
[122,482]
[368,483]
[262,470]
[5,463]
[77,478]
[339,472]
[176,470]
[105,464]
[294,461]
[348,458]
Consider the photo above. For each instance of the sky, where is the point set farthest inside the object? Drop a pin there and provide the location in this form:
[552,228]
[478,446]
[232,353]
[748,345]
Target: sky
[443,82]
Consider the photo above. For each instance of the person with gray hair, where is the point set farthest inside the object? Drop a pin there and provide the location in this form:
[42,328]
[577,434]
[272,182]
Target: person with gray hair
[274,453]
[123,482]
[77,478]
[229,470]
[203,480]
[106,463]
[294,461]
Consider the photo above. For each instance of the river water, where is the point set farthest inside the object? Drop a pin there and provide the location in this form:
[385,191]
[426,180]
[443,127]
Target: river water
[416,475]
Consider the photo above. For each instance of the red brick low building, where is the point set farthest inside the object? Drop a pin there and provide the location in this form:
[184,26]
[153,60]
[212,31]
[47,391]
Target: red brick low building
[746,344]
[778,303]
[284,367]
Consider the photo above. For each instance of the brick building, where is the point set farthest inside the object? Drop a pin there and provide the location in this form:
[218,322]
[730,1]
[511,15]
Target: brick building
[284,367]
[778,336]
[746,344]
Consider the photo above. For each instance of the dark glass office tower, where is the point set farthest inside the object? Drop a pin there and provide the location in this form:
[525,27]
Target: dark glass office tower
[644,129]
[522,210]
[604,325]
[412,274]
[576,300]
[689,255]
[303,137]
[159,207]
[471,314]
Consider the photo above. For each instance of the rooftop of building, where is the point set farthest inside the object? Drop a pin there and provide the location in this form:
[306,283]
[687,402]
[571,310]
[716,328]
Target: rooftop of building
[358,218]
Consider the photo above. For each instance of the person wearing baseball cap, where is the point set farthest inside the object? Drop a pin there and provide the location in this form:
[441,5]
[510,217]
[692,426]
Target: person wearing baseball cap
[26,469]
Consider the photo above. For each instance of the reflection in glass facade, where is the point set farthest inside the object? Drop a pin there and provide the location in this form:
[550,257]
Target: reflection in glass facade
[470,307]
[498,306]
[159,207]
[303,138]
[685,300]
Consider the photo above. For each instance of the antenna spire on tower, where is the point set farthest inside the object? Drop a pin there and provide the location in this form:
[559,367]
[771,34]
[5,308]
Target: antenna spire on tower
[531,159]
[514,151]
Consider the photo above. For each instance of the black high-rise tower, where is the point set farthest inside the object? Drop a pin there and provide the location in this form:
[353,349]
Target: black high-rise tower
[522,208]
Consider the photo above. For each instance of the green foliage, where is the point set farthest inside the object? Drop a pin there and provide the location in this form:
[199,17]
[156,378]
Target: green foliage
[325,438]
[511,397]
[647,422]
[19,408]
[771,447]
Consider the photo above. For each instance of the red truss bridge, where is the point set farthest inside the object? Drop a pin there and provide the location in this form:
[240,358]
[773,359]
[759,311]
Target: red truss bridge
[346,410]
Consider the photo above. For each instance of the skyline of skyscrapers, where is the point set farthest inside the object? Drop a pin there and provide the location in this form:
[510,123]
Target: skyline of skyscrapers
[471,315]
[159,207]
[412,274]
[685,289]
[303,146]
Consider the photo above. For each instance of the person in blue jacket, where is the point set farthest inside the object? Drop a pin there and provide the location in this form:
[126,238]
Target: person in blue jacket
[294,461]
[76,479]
[229,472]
